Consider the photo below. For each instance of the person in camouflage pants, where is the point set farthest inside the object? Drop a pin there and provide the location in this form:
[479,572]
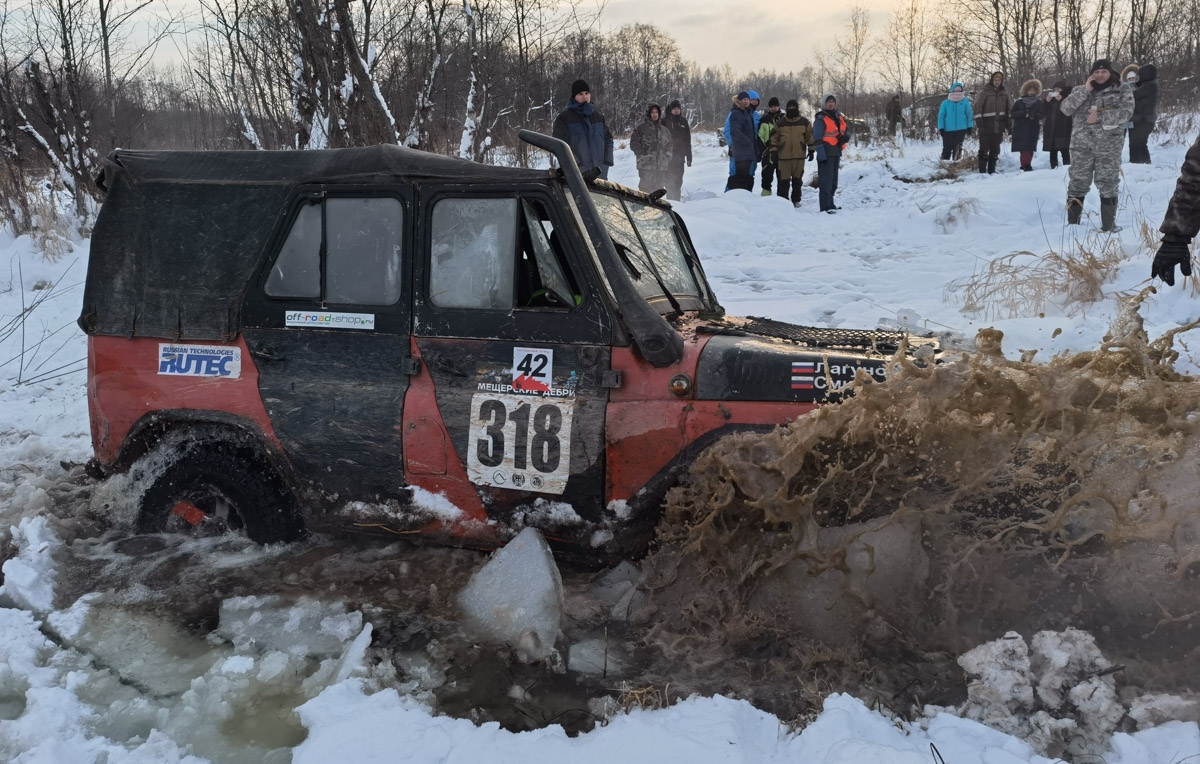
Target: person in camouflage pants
[1100,109]
[1182,222]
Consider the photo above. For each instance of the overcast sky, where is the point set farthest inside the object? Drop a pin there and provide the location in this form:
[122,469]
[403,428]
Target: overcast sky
[748,35]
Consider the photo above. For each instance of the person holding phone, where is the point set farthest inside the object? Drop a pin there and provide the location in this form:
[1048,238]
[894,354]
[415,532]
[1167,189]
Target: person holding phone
[1100,110]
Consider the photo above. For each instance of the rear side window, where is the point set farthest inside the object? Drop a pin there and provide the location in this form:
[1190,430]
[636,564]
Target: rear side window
[358,243]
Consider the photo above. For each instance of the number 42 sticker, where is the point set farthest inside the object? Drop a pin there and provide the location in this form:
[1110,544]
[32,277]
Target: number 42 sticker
[519,442]
[533,369]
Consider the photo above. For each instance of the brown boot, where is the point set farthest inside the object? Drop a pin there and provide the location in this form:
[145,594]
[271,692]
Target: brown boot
[1074,210]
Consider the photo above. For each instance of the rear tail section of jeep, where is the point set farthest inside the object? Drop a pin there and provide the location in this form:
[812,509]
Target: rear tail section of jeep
[389,341]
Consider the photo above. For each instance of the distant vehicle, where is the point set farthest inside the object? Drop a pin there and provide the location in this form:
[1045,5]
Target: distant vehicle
[389,341]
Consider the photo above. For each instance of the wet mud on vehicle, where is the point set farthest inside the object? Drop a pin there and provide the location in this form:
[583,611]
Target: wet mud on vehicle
[390,341]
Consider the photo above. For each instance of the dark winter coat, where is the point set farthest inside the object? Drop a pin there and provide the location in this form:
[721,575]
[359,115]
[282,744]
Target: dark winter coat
[1027,118]
[582,126]
[955,115]
[992,107]
[829,134]
[1056,134]
[792,137]
[743,133]
[652,144]
[1145,96]
[894,113]
[681,133]
[1183,213]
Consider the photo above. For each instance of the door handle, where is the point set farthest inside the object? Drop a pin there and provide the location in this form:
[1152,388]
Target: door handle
[267,354]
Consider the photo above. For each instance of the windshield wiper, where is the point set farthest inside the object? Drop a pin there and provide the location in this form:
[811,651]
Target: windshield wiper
[623,253]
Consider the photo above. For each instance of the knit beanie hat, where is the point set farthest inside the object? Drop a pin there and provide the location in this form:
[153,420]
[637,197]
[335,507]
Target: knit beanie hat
[742,94]
[579,86]
[673,105]
[793,108]
[1102,63]
[773,102]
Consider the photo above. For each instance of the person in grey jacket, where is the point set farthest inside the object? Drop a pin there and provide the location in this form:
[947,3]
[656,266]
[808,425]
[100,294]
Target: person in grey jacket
[653,145]
[1100,109]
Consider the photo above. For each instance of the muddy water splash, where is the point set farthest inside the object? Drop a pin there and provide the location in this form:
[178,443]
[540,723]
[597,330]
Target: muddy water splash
[863,545]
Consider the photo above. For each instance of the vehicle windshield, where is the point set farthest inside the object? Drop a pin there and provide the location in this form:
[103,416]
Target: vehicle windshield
[650,244]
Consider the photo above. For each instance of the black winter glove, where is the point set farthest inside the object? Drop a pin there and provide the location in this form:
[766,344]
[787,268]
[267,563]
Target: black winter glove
[774,157]
[1170,254]
[941,132]
[811,153]
[843,139]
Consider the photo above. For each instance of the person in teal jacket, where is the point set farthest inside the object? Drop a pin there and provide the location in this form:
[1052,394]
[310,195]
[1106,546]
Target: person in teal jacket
[955,118]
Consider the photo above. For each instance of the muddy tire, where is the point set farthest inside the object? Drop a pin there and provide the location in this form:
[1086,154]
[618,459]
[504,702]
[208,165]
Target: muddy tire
[210,488]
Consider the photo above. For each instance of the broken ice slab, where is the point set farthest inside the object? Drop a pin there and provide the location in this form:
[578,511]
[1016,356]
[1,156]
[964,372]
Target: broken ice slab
[617,589]
[302,627]
[597,656]
[516,598]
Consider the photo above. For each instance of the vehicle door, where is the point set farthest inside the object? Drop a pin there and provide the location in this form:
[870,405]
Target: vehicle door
[327,322]
[512,330]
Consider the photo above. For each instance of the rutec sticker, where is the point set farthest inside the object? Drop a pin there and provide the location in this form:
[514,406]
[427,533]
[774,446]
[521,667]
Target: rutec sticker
[199,361]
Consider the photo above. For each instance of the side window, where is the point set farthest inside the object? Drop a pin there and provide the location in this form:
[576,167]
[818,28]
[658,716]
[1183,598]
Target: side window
[363,253]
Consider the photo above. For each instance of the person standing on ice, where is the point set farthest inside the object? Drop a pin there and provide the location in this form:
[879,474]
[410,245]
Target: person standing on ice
[741,129]
[954,119]
[653,146]
[1181,222]
[791,143]
[991,117]
[681,148]
[766,125]
[1027,122]
[1056,133]
[1100,109]
[584,130]
[830,136]
[1145,112]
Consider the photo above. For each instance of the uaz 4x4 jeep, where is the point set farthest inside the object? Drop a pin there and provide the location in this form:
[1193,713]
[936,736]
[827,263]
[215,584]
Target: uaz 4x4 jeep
[387,340]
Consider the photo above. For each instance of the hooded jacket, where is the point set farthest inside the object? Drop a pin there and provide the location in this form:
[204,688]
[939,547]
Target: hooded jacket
[681,133]
[1183,213]
[729,138]
[992,107]
[582,126]
[1112,101]
[1027,117]
[1145,96]
[956,116]
[741,129]
[652,143]
[1056,133]
[829,132]
[792,137]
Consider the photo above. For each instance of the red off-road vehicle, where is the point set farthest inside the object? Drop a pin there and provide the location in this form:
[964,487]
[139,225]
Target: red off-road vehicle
[387,340]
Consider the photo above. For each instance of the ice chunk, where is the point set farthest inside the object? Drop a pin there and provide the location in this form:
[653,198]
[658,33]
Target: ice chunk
[1159,708]
[1001,692]
[516,598]
[594,656]
[303,627]
[617,589]
[29,577]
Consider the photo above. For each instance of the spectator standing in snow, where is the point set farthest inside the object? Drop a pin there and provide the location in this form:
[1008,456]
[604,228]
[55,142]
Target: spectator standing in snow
[681,148]
[791,142]
[894,115]
[1181,222]
[1027,122]
[1056,134]
[991,118]
[753,106]
[1100,109]
[830,137]
[1145,112]
[741,129]
[653,146]
[765,127]
[584,129]
[954,119]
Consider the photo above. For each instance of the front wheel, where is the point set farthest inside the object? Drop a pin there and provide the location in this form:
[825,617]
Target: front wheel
[210,488]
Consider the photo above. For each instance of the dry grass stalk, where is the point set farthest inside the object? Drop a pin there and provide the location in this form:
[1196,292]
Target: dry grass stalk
[648,698]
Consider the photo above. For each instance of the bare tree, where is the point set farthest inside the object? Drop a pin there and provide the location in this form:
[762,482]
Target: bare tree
[908,47]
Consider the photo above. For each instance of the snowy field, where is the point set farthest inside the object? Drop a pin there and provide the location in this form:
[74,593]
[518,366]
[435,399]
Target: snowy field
[292,679]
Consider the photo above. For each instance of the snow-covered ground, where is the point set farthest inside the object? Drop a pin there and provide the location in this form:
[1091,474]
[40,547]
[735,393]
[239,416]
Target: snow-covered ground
[78,684]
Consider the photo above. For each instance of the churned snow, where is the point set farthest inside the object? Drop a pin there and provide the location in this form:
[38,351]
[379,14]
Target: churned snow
[279,680]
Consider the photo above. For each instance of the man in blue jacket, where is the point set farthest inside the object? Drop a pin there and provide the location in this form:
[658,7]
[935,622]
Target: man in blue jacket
[754,101]
[743,142]
[584,130]
[830,137]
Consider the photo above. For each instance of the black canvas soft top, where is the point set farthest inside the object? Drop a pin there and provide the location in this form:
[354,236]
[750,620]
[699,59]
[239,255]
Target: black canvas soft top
[181,232]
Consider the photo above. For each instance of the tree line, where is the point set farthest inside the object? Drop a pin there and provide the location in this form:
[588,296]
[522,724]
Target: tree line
[81,77]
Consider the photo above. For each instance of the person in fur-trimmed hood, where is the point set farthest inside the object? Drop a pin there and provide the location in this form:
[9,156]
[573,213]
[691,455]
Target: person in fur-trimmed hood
[1145,112]
[653,145]
[1056,137]
[992,106]
[741,127]
[1100,109]
[1027,122]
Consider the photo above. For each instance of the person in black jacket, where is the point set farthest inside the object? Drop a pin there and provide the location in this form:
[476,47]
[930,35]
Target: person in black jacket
[681,131]
[1145,112]
[584,130]
[743,143]
[1181,223]
[1026,114]
[1056,134]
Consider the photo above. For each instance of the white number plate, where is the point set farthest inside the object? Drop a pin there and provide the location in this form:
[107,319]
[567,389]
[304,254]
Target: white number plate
[520,442]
